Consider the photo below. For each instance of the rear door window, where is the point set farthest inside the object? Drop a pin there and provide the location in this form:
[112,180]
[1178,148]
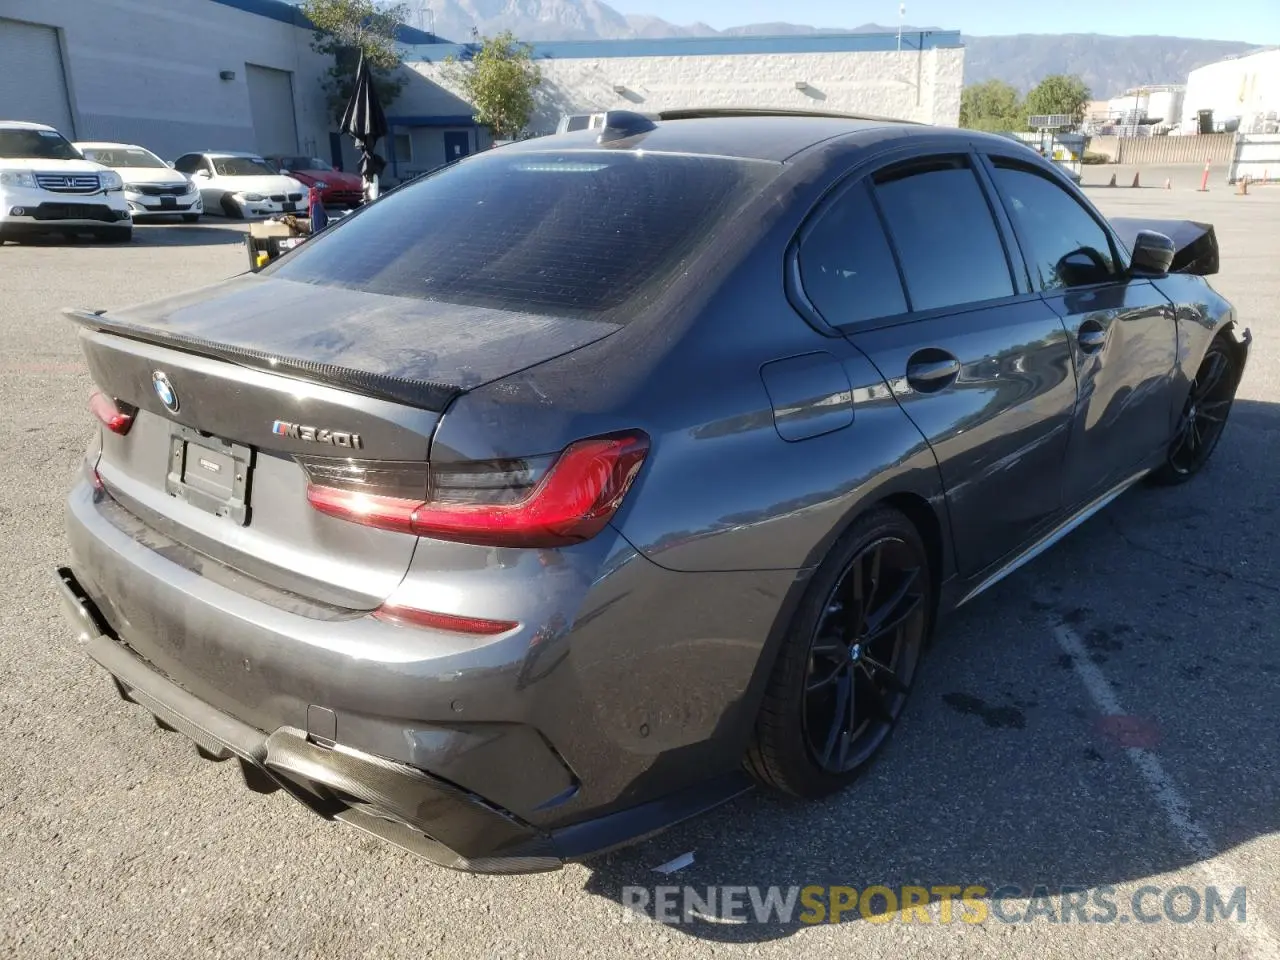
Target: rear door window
[846,266]
[944,233]
[586,234]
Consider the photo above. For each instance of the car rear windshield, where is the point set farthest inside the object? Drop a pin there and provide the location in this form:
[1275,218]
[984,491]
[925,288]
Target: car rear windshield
[584,234]
[122,157]
[36,145]
[242,167]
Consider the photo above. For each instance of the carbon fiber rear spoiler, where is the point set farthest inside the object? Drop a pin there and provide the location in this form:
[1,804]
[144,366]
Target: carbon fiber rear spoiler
[423,394]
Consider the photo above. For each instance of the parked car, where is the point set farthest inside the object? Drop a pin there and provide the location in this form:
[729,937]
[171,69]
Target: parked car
[337,189]
[152,188]
[239,185]
[46,186]
[563,494]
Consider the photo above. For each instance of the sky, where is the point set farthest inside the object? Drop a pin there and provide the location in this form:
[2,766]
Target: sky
[1257,21]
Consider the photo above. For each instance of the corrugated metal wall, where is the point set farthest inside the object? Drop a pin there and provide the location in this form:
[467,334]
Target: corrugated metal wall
[275,123]
[1206,148]
[33,85]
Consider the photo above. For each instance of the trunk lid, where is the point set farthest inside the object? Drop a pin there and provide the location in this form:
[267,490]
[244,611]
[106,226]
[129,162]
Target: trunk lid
[260,373]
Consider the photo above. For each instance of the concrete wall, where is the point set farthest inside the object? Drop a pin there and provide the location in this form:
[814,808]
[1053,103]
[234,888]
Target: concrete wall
[1247,88]
[922,85]
[147,71]
[1210,148]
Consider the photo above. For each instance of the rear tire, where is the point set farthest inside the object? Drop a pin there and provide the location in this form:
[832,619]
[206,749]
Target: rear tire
[1204,416]
[848,660]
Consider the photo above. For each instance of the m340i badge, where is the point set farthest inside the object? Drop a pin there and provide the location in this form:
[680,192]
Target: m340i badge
[300,431]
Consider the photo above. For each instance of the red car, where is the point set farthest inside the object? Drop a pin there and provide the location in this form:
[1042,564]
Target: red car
[337,189]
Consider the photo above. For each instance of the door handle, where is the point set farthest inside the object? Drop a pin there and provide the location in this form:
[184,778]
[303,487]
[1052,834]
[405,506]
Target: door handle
[1091,337]
[933,374]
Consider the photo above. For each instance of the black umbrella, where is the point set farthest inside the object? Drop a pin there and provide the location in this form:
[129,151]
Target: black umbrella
[365,122]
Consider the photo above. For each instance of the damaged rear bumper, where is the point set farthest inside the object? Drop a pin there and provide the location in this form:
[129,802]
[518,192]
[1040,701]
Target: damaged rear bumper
[393,801]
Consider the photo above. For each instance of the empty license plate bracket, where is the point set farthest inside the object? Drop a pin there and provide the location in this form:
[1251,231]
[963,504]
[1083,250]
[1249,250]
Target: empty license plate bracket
[210,474]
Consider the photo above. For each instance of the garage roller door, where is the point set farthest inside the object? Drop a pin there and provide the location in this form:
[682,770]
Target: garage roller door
[271,103]
[33,85]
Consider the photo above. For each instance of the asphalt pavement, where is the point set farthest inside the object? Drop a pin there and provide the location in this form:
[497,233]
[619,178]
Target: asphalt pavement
[1106,719]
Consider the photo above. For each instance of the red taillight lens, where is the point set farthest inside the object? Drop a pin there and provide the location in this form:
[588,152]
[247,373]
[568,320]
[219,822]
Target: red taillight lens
[509,503]
[411,617]
[115,416]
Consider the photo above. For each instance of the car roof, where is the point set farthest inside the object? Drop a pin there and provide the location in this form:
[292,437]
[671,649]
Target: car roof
[24,125]
[230,153]
[743,135]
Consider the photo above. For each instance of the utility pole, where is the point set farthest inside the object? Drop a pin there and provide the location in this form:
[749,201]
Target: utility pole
[902,13]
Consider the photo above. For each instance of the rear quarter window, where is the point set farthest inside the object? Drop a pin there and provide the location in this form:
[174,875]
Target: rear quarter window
[584,234]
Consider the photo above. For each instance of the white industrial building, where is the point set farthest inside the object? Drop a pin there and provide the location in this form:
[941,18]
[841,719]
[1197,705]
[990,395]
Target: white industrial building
[918,77]
[1243,93]
[172,75]
[1159,106]
[187,75]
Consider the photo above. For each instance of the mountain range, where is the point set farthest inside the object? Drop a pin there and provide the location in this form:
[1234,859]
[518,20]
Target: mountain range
[1109,65]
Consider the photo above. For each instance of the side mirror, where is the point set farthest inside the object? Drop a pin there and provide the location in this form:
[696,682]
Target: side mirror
[199,174]
[1152,254]
[171,166]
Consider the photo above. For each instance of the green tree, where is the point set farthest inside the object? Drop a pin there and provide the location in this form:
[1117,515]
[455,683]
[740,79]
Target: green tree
[499,83]
[993,106]
[345,29]
[1059,94]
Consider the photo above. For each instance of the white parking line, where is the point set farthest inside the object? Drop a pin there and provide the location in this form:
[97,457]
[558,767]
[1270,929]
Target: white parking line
[1176,809]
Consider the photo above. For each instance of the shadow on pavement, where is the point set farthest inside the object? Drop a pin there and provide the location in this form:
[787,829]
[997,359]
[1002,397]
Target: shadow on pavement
[187,235]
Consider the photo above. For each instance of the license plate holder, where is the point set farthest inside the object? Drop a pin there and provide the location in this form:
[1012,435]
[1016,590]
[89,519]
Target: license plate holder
[290,206]
[168,203]
[210,474]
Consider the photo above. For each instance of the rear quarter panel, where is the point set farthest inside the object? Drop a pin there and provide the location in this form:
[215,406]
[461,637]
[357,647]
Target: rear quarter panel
[721,489]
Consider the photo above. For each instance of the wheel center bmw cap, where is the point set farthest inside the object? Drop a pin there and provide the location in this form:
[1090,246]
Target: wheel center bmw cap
[855,652]
[164,390]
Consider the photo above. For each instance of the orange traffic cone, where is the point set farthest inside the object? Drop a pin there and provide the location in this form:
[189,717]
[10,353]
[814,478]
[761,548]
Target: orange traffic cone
[1244,187]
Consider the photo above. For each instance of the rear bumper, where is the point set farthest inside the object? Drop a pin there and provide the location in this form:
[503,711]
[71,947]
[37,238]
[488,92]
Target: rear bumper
[492,758]
[390,800]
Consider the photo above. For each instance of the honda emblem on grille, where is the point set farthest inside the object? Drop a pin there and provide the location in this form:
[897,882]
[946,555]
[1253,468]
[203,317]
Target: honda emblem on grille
[164,390]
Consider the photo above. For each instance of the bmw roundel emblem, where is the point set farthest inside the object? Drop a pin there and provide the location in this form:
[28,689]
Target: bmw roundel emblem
[164,390]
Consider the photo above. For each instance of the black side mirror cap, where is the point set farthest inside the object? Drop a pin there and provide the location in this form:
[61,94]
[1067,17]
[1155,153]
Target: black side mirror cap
[1152,254]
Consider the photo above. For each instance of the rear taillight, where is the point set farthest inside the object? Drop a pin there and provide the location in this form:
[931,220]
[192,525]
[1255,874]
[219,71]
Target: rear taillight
[541,502]
[115,416]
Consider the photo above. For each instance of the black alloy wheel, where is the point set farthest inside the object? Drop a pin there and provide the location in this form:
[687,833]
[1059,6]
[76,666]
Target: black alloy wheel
[1204,416]
[848,660]
[863,655]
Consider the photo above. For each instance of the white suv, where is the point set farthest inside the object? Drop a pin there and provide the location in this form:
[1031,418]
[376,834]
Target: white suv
[46,186]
